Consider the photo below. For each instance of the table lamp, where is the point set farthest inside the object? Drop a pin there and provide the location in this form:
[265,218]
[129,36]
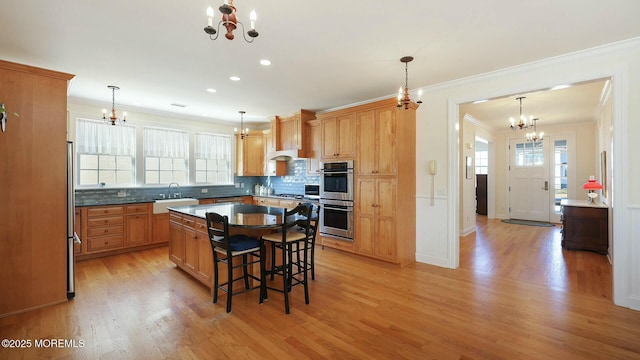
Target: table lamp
[591,186]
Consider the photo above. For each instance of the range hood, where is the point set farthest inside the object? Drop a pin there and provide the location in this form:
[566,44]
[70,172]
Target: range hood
[286,155]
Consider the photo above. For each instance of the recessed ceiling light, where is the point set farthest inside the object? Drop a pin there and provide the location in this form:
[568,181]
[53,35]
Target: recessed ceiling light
[265,62]
[480,101]
[234,78]
[211,90]
[558,87]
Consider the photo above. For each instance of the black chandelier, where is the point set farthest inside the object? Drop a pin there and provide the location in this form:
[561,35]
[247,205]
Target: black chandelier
[230,22]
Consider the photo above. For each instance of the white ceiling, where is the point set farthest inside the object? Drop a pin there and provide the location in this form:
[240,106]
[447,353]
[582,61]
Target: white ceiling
[324,54]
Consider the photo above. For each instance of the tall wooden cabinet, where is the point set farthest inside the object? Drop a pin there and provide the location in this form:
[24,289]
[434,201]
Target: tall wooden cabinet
[33,179]
[250,154]
[381,139]
[314,146]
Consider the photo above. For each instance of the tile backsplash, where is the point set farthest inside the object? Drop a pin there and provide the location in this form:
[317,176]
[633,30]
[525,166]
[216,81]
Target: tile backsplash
[292,183]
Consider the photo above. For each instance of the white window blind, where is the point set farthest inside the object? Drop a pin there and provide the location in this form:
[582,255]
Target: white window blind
[166,155]
[212,158]
[106,153]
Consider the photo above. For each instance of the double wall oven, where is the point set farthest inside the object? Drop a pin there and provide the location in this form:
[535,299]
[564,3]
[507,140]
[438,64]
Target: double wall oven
[336,198]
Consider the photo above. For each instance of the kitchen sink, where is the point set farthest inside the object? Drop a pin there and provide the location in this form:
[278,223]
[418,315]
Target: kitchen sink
[160,206]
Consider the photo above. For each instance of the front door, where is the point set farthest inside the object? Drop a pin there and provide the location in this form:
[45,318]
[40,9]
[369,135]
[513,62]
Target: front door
[528,180]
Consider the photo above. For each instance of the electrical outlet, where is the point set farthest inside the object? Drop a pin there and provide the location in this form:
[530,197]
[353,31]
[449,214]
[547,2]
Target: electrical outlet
[237,185]
[204,191]
[242,185]
[122,193]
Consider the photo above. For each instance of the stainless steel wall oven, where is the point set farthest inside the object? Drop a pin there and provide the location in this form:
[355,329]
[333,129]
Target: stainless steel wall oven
[336,199]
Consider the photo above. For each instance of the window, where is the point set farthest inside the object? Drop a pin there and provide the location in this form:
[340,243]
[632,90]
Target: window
[106,153]
[560,167]
[529,154]
[166,156]
[212,159]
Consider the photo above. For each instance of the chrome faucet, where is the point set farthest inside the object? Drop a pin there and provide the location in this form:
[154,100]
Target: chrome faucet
[175,194]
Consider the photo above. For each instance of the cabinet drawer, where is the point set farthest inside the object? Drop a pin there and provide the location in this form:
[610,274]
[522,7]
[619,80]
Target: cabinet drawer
[584,212]
[139,208]
[101,211]
[104,243]
[189,222]
[201,225]
[106,230]
[104,221]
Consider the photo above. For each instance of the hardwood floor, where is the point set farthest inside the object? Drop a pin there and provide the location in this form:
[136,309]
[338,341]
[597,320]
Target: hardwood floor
[517,295]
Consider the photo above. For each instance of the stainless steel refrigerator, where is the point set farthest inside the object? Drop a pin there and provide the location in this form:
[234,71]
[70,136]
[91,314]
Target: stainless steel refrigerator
[72,237]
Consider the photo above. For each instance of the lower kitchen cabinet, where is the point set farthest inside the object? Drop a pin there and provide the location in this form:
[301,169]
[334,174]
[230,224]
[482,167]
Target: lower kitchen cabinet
[375,218]
[176,240]
[160,228]
[113,229]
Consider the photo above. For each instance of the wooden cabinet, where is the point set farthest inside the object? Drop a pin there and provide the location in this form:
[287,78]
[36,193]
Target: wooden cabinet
[585,226]
[313,146]
[160,228]
[291,134]
[338,139]
[137,223]
[33,180]
[105,228]
[384,218]
[375,213]
[250,155]
[206,201]
[189,247]
[376,142]
[176,239]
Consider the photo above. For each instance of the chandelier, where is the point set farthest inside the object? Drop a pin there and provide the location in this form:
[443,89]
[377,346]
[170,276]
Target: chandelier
[534,136]
[522,121]
[404,99]
[230,22]
[113,118]
[244,132]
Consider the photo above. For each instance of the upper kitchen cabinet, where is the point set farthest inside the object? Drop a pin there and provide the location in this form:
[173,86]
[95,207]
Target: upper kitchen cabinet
[290,133]
[250,154]
[314,146]
[338,138]
[33,179]
[376,142]
[272,167]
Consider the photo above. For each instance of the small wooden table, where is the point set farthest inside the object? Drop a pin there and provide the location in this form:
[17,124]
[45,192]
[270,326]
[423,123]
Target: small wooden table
[585,226]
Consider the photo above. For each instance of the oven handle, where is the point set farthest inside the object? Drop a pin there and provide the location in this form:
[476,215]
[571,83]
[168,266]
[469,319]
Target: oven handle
[336,172]
[346,208]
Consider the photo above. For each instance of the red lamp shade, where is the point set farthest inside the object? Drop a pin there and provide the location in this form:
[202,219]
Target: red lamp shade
[592,184]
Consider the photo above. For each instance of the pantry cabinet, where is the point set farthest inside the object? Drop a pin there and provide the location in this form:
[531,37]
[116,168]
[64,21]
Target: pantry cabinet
[338,138]
[375,219]
[376,142]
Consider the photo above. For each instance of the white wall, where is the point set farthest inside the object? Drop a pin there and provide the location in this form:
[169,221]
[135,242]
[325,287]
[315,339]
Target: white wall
[437,226]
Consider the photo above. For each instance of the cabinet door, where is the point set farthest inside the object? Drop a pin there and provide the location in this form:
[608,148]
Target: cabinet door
[385,147]
[136,229]
[364,213]
[253,155]
[386,243]
[313,147]
[204,270]
[160,228]
[366,146]
[346,138]
[176,243]
[329,129]
[190,250]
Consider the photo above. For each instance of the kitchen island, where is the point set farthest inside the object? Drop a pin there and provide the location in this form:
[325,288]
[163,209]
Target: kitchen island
[189,245]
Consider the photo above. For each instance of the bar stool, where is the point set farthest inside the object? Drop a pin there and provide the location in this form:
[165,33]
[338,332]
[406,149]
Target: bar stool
[289,242]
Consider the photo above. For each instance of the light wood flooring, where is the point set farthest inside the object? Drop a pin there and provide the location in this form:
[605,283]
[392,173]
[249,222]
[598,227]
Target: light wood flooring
[516,295]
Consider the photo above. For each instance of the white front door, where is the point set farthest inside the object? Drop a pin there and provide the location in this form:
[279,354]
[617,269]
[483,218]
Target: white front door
[528,180]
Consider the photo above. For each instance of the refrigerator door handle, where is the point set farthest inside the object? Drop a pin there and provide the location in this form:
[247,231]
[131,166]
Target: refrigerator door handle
[76,238]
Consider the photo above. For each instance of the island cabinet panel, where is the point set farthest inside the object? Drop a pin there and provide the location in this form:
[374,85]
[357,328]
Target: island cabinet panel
[190,248]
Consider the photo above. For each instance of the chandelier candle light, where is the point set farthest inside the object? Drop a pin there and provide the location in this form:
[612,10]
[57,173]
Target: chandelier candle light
[244,132]
[230,21]
[522,122]
[404,99]
[534,136]
[113,118]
